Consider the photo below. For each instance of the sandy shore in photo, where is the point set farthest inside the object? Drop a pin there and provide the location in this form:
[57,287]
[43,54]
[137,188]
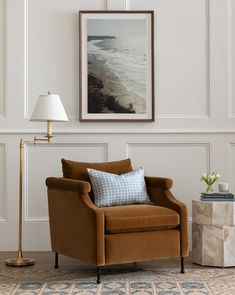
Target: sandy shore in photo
[111,86]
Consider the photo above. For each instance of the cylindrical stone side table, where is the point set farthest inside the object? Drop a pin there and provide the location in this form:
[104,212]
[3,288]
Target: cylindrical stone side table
[213,231]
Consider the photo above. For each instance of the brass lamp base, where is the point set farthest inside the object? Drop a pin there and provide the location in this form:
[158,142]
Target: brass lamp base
[19,262]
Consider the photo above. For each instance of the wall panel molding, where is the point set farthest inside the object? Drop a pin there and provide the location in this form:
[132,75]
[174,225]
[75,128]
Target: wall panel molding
[25,59]
[120,131]
[106,4]
[208,58]
[27,217]
[3,58]
[3,183]
[231,167]
[127,4]
[207,70]
[231,98]
[207,145]
[119,5]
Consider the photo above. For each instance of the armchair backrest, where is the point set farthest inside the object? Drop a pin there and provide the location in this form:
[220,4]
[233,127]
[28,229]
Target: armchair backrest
[78,170]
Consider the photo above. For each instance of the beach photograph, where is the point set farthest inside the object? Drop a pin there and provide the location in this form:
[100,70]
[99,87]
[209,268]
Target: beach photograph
[116,65]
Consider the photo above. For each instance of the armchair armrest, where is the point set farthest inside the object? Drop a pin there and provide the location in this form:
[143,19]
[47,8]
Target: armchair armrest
[161,182]
[160,194]
[68,184]
[76,224]
[182,210]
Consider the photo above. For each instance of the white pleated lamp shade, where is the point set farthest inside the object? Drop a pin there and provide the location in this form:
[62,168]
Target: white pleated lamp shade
[49,108]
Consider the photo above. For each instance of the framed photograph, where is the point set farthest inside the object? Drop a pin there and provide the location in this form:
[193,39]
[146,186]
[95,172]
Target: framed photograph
[116,56]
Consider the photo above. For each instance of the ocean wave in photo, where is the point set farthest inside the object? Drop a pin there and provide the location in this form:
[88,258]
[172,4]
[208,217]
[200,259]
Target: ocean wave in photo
[122,66]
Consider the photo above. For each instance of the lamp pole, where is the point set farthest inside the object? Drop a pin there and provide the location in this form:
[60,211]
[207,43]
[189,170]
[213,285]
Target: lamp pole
[20,260]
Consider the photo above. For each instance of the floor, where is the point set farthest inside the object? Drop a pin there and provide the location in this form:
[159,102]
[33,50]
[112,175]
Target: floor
[45,261]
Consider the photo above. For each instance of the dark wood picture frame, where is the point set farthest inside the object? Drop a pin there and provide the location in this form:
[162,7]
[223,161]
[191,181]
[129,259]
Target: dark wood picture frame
[94,105]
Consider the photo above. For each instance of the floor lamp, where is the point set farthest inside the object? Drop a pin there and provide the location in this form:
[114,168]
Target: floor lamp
[48,109]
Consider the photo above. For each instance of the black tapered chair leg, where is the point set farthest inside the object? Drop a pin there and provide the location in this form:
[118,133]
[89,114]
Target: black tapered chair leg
[98,275]
[56,260]
[182,265]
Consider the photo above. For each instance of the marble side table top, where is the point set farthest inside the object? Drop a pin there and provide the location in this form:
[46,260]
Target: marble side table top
[213,213]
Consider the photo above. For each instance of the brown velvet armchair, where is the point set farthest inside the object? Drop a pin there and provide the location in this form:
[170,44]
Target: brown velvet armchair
[119,234]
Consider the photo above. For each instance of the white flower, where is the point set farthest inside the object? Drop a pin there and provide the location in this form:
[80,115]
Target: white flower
[212,177]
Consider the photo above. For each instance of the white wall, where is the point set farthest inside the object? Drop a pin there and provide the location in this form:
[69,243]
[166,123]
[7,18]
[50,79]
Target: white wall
[195,102]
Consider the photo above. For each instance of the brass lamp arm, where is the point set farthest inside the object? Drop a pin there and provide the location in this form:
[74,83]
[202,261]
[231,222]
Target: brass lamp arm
[48,135]
[47,139]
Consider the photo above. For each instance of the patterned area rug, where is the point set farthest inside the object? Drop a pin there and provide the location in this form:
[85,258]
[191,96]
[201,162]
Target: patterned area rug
[138,282]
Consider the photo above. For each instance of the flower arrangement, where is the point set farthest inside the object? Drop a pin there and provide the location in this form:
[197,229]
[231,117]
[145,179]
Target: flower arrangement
[210,179]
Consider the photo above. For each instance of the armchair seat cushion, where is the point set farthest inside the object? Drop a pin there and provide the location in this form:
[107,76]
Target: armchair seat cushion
[139,218]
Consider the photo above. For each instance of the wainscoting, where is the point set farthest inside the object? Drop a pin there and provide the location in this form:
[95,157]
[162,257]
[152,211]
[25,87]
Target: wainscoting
[194,128]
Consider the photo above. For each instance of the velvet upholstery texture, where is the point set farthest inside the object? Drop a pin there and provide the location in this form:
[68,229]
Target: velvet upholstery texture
[78,170]
[139,218]
[140,246]
[112,235]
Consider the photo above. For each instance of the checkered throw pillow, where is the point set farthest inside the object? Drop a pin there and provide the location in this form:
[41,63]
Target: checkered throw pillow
[112,189]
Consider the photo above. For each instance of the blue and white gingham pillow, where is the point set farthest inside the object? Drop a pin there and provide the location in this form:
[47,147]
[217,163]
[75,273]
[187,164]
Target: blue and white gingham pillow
[112,189]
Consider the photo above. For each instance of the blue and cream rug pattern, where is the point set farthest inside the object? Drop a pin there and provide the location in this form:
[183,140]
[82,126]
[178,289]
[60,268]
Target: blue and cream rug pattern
[139,282]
